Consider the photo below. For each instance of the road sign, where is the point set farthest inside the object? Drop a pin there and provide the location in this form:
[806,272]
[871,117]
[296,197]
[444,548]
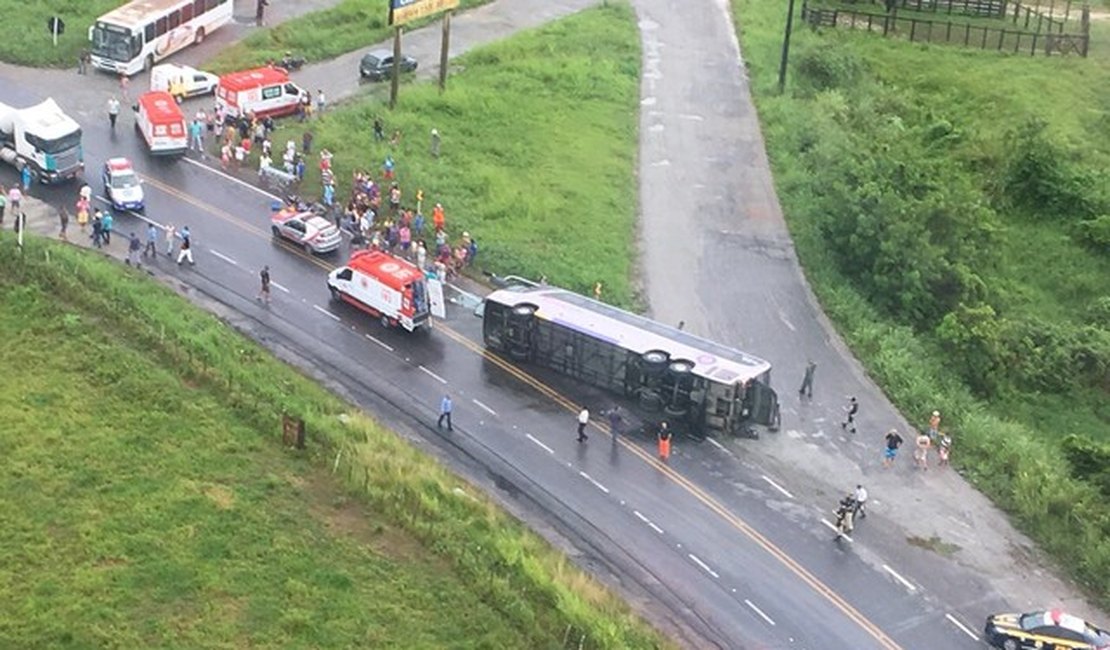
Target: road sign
[56,26]
[403,11]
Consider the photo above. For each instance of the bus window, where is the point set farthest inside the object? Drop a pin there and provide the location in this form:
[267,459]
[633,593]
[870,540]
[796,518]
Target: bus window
[175,19]
[187,13]
[199,7]
[150,32]
[212,4]
[160,27]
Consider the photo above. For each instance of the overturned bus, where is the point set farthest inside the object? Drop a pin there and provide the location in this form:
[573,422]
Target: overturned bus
[709,387]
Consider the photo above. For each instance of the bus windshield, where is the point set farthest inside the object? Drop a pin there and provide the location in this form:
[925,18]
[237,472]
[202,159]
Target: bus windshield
[114,42]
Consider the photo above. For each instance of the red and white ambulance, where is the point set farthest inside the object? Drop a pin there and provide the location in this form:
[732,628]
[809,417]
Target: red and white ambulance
[265,91]
[160,120]
[383,286]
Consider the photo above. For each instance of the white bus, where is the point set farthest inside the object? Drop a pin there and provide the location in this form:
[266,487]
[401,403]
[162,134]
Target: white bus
[698,384]
[136,35]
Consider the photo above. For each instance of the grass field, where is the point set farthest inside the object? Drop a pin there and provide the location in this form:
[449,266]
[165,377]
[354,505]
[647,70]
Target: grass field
[539,137]
[149,503]
[25,39]
[947,108]
[317,36]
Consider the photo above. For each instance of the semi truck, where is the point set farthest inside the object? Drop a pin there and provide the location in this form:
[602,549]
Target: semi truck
[43,138]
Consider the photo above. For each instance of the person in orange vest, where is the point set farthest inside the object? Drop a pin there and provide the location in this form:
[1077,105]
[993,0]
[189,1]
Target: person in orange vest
[664,441]
[439,220]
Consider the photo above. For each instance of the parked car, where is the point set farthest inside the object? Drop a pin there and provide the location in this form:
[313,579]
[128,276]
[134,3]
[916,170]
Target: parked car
[377,65]
[122,186]
[1042,630]
[311,231]
[193,82]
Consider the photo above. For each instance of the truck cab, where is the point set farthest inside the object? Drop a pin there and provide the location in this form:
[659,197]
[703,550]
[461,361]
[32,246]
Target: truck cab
[44,138]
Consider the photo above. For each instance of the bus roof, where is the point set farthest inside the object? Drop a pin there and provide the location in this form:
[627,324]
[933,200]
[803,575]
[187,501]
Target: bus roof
[138,13]
[391,271]
[247,79]
[160,107]
[713,361]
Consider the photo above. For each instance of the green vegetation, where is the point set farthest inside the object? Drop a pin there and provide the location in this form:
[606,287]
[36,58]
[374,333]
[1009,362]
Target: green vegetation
[538,156]
[149,503]
[25,39]
[949,206]
[317,36]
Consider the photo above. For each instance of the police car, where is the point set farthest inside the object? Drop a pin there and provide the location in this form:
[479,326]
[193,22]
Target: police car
[313,232]
[122,187]
[1045,630]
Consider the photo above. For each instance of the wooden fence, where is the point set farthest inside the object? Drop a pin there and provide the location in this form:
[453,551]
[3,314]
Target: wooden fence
[920,30]
[1016,13]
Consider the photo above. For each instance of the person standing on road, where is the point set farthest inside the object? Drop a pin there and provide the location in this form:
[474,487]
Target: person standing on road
[151,241]
[196,137]
[807,380]
[15,197]
[616,420]
[921,453]
[445,408]
[186,252]
[171,234]
[321,101]
[583,420]
[860,500]
[134,245]
[851,410]
[3,203]
[260,12]
[63,224]
[106,223]
[844,519]
[25,177]
[124,85]
[113,111]
[97,230]
[934,425]
[893,442]
[264,289]
[664,441]
[944,446]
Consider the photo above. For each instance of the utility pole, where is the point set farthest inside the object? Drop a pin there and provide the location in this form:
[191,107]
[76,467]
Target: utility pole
[397,67]
[786,46]
[444,45]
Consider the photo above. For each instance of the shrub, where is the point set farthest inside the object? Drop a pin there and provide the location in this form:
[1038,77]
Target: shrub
[824,68]
[1096,232]
[1090,461]
[972,336]
[1040,178]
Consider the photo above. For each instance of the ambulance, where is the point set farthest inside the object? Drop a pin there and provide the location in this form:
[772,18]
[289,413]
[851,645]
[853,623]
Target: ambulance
[384,286]
[160,120]
[264,91]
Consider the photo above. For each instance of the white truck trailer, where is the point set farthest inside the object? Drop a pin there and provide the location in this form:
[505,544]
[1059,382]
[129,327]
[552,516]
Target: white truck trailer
[44,138]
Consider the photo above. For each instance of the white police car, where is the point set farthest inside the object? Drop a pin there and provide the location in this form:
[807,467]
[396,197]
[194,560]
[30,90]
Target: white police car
[122,186]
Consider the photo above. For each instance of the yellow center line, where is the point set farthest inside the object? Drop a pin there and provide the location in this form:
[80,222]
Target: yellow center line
[694,490]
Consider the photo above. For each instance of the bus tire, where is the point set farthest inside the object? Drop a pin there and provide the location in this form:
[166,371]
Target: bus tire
[654,362]
[518,352]
[680,367]
[650,400]
[199,38]
[148,63]
[385,322]
[275,231]
[334,294]
[676,412]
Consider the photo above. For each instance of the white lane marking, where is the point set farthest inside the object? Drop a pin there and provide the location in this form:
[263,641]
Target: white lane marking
[223,257]
[432,375]
[533,439]
[647,521]
[278,286]
[325,312]
[717,445]
[758,611]
[387,347]
[591,480]
[835,530]
[899,578]
[231,178]
[786,322]
[962,626]
[703,565]
[778,487]
[483,407]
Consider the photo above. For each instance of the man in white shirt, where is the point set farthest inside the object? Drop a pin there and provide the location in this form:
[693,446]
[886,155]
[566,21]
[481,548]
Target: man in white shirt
[583,420]
[861,499]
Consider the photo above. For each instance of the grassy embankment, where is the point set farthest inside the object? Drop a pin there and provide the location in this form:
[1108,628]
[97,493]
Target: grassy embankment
[317,36]
[945,204]
[149,502]
[539,137]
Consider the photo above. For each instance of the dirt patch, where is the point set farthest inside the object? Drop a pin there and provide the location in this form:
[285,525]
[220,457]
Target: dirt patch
[934,544]
[222,496]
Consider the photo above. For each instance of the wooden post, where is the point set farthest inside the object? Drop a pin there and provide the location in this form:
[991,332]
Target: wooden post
[786,46]
[396,67]
[913,29]
[1033,49]
[444,45]
[967,34]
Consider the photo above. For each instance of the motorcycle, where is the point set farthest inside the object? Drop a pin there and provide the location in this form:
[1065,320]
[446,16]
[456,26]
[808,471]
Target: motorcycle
[290,63]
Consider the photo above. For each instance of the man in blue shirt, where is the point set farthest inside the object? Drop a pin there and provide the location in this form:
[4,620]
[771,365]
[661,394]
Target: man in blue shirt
[445,408]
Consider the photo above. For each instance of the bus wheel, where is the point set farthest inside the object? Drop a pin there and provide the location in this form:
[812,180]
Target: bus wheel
[385,322]
[650,400]
[654,362]
[676,412]
[199,37]
[148,63]
[334,294]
